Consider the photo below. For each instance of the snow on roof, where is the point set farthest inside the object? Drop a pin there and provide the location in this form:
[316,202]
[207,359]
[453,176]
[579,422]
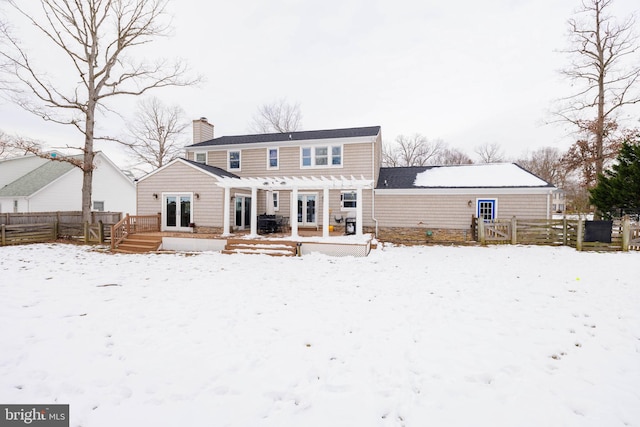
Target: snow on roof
[484,175]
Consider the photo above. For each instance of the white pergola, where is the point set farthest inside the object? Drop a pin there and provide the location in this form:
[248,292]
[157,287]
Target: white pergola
[294,184]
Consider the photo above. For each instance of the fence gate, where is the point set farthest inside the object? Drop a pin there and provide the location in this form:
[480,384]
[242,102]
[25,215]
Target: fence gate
[498,231]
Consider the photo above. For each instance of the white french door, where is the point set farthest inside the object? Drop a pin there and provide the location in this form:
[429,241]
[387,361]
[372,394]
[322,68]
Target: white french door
[243,212]
[307,209]
[176,212]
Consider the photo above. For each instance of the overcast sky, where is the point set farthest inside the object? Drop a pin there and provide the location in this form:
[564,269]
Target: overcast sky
[466,72]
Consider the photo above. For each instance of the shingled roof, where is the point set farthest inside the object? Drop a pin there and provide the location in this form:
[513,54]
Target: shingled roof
[35,180]
[496,175]
[211,169]
[291,136]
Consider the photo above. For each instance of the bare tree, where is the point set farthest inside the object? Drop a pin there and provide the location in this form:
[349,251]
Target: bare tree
[452,156]
[156,135]
[489,153]
[415,150]
[277,117]
[547,163]
[604,68]
[93,37]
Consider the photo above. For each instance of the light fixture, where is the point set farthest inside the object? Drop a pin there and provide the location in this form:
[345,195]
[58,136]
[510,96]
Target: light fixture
[197,195]
[155,195]
[469,203]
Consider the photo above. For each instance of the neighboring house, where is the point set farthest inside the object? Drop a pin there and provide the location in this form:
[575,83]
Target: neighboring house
[322,178]
[559,202]
[33,184]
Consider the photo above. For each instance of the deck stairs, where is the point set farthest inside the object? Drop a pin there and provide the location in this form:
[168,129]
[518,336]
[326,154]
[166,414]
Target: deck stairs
[266,247]
[139,243]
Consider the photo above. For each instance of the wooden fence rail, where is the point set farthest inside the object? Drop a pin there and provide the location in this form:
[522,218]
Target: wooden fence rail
[38,233]
[556,232]
[31,233]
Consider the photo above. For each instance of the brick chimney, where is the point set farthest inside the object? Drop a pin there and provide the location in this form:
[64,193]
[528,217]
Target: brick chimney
[202,130]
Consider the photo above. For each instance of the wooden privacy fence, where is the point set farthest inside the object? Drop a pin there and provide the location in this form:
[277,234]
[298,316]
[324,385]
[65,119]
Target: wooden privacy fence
[36,227]
[555,232]
[47,232]
[61,217]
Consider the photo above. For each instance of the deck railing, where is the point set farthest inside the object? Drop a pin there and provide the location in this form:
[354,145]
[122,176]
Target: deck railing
[132,224]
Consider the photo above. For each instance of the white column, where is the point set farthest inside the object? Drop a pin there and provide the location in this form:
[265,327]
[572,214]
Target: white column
[359,211]
[326,220]
[270,210]
[226,213]
[254,211]
[294,212]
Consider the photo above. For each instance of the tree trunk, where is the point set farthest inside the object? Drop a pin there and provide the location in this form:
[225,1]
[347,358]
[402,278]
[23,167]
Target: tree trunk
[87,164]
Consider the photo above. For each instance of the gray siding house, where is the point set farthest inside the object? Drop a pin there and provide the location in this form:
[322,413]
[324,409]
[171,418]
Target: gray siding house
[319,179]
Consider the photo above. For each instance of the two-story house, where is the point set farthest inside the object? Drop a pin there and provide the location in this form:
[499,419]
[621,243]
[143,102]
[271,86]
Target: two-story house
[322,179]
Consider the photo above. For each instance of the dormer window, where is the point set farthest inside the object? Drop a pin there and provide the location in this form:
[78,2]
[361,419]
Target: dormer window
[201,157]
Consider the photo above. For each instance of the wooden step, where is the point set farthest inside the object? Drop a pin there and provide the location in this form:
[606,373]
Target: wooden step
[257,246]
[139,243]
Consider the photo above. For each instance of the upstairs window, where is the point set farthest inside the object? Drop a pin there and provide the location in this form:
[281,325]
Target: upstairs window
[272,158]
[321,156]
[336,155]
[234,160]
[98,206]
[201,157]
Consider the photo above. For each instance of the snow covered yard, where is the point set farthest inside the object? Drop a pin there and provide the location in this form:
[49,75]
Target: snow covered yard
[424,336]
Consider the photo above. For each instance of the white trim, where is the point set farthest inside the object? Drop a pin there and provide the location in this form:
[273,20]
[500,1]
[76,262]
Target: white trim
[299,182]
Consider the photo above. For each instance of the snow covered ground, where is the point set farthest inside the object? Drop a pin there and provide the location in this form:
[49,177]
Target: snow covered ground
[424,336]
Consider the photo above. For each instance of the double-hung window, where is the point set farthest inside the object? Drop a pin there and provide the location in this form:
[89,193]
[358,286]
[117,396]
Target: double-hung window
[234,160]
[272,158]
[349,200]
[322,156]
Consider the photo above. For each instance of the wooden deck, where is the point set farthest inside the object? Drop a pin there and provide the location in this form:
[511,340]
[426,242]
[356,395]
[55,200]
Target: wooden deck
[279,244]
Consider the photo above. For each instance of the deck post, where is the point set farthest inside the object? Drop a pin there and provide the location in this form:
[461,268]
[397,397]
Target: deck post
[226,213]
[359,215]
[481,231]
[326,218]
[626,233]
[514,231]
[254,211]
[294,212]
